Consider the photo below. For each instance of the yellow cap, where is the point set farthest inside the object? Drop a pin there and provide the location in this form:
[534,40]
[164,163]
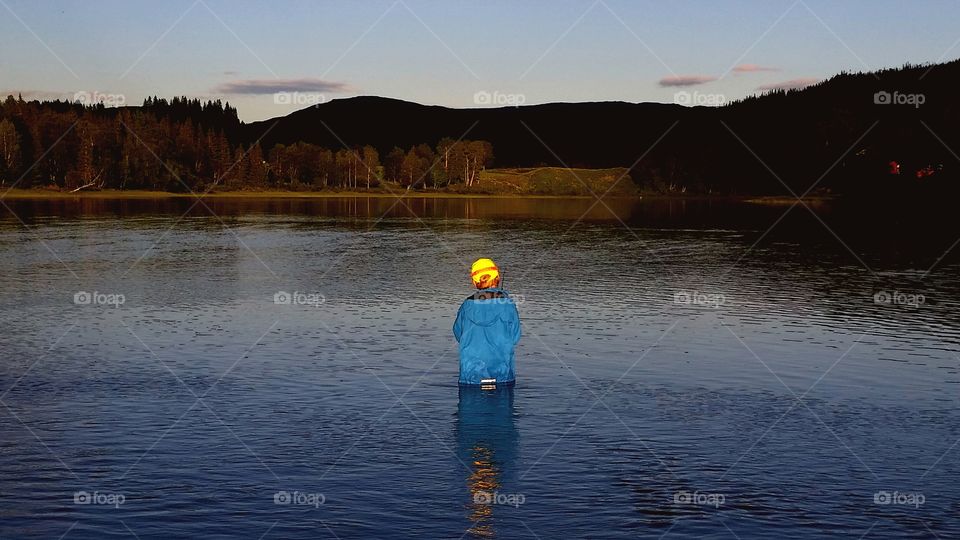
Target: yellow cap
[484,271]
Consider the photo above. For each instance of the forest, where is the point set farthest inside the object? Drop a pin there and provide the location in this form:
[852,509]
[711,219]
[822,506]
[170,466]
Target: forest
[184,145]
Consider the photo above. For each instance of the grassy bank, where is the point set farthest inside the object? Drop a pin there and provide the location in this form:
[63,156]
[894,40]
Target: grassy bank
[558,181]
[508,183]
[540,182]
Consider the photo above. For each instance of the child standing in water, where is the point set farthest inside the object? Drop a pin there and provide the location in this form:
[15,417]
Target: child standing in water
[488,329]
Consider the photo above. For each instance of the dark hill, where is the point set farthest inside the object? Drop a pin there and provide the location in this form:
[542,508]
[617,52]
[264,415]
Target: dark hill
[582,134]
[835,128]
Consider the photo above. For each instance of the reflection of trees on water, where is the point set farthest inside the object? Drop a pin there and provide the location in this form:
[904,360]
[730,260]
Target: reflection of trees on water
[334,207]
[487,441]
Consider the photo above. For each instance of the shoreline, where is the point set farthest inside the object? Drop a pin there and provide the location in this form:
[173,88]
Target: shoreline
[41,194]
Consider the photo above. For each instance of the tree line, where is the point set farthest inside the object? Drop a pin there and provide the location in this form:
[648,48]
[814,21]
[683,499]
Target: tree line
[421,166]
[869,135]
[188,145]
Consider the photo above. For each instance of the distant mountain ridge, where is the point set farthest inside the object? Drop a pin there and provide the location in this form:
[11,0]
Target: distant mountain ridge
[837,134]
[513,131]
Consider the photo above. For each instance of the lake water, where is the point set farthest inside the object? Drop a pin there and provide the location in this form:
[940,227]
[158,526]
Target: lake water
[685,371]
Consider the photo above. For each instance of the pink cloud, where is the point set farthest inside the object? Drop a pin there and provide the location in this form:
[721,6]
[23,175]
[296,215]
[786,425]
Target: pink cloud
[273,86]
[686,80]
[751,68]
[792,84]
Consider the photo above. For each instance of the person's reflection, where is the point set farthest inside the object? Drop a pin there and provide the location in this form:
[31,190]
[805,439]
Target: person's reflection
[487,441]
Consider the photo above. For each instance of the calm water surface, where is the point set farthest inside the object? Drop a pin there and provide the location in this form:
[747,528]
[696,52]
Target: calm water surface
[685,371]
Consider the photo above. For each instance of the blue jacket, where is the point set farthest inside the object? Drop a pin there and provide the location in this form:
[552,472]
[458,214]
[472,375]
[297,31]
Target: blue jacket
[488,330]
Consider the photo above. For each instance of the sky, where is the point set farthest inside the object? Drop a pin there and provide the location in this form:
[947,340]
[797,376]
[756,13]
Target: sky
[271,58]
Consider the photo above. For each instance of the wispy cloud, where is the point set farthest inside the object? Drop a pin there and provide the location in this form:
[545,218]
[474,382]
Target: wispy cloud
[272,86]
[752,68]
[686,80]
[792,84]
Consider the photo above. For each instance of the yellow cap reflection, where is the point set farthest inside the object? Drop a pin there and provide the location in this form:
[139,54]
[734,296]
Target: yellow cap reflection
[488,441]
[482,482]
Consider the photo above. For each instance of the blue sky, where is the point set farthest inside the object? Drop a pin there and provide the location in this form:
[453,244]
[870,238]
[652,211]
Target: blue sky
[446,52]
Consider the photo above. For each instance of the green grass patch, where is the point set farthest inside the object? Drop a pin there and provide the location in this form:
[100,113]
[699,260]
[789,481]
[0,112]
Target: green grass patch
[557,181]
